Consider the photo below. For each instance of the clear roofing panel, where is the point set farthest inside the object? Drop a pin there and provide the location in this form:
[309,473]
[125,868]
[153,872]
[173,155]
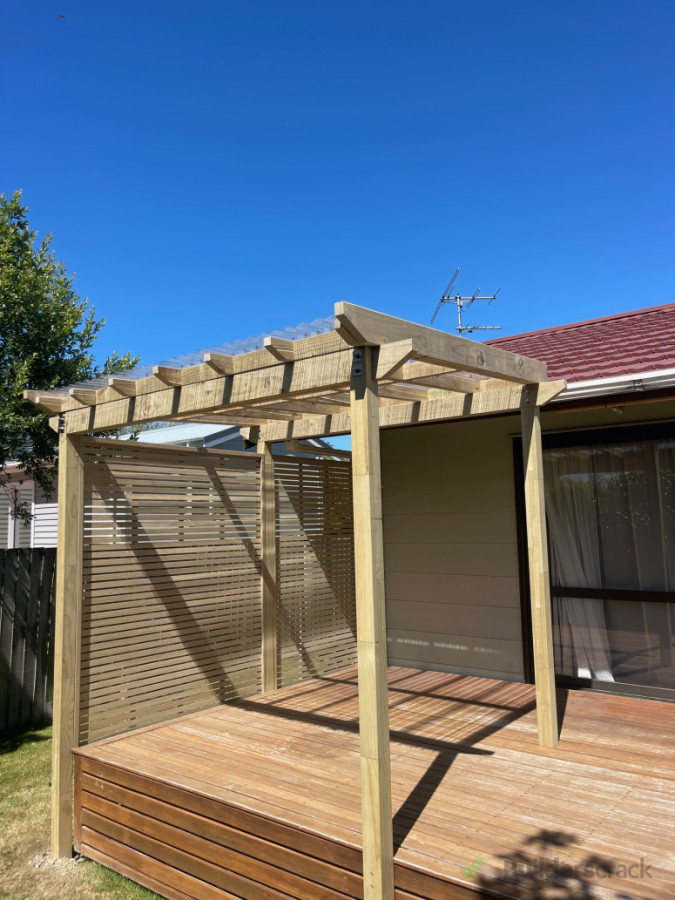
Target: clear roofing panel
[234,348]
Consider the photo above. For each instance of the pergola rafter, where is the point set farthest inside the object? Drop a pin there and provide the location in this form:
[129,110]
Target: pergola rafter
[372,372]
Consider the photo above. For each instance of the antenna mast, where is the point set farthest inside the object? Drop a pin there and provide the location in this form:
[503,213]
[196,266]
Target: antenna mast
[463,303]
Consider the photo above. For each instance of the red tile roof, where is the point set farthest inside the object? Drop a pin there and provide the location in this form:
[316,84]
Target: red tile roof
[639,341]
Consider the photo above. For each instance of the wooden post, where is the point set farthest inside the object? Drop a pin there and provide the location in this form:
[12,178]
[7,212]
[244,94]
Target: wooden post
[540,591]
[67,641]
[376,815]
[269,568]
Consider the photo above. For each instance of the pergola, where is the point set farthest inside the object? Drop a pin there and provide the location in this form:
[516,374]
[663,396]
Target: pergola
[372,371]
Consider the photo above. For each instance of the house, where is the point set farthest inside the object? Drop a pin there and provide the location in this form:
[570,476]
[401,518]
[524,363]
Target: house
[453,531]
[41,529]
[377,677]
[15,532]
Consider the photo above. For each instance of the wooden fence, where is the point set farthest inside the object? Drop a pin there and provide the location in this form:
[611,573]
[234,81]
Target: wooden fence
[27,590]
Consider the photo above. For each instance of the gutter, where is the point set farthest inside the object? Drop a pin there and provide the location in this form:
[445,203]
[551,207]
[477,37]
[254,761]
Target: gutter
[662,379]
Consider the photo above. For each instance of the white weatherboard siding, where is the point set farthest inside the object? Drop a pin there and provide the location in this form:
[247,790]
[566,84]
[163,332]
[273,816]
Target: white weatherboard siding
[23,531]
[4,520]
[41,531]
[15,533]
[45,513]
[451,556]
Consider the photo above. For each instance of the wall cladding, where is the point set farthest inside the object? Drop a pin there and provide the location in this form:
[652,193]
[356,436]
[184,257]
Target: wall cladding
[451,554]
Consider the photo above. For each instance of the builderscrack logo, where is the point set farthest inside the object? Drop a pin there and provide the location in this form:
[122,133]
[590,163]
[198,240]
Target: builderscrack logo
[554,869]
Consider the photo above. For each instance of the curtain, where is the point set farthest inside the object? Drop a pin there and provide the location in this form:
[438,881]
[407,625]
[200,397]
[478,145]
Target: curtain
[611,520]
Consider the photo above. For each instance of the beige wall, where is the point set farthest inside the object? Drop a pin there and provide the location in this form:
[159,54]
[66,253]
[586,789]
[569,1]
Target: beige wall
[451,556]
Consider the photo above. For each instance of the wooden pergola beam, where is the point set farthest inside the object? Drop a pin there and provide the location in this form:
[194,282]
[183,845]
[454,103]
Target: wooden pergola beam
[403,392]
[220,363]
[447,407]
[256,415]
[318,345]
[168,375]
[365,326]
[392,356]
[52,403]
[279,348]
[437,376]
[124,386]
[371,634]
[84,395]
[311,405]
[224,394]
[242,420]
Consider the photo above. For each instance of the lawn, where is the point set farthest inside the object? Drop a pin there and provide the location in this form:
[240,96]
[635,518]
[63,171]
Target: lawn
[26,873]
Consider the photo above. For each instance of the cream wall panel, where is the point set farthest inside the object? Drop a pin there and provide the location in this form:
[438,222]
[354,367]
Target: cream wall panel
[431,496]
[451,557]
[497,528]
[453,618]
[477,590]
[455,653]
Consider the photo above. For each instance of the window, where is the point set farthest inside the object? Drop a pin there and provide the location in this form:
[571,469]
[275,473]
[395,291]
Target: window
[611,519]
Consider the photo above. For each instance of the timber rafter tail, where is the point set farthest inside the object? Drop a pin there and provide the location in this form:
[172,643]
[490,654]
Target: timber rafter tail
[294,389]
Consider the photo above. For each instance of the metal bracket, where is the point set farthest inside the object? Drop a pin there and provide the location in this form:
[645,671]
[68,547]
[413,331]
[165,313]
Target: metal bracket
[357,362]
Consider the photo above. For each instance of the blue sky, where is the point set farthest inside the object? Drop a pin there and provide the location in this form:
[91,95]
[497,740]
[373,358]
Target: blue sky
[217,169]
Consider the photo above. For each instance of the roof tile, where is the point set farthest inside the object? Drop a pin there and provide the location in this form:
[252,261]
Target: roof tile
[639,341]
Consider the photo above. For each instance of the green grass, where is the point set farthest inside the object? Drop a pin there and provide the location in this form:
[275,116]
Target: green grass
[25,768]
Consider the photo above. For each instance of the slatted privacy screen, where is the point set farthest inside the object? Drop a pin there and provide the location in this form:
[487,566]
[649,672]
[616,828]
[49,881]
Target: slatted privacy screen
[171,614]
[316,612]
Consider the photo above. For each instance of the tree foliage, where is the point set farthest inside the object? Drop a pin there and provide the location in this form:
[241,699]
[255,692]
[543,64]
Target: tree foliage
[46,338]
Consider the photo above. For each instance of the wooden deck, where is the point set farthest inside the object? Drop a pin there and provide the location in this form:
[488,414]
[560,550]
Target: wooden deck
[261,799]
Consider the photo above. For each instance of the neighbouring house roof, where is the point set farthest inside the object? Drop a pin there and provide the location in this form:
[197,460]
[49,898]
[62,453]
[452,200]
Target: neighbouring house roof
[625,344]
[207,435]
[180,434]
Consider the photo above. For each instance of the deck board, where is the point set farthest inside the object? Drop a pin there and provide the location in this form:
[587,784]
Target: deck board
[261,798]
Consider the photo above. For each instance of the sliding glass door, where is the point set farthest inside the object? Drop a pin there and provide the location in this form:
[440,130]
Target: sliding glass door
[611,518]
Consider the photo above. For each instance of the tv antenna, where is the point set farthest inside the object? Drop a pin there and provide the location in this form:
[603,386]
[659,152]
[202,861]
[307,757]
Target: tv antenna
[463,303]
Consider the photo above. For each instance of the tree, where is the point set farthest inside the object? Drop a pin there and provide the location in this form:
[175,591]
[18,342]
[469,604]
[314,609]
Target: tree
[46,337]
